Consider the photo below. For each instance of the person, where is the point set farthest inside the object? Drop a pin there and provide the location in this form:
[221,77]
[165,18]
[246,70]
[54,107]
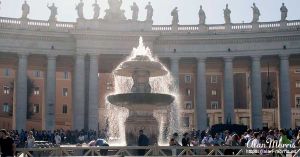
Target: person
[227,13]
[102,142]
[53,14]
[57,138]
[79,9]
[175,19]
[283,137]
[142,141]
[185,140]
[256,13]
[173,142]
[284,12]
[30,140]
[149,12]
[96,10]
[202,16]
[25,10]
[8,148]
[135,11]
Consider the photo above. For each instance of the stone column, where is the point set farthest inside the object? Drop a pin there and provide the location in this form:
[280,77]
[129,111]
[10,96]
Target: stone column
[50,98]
[229,115]
[284,93]
[256,94]
[20,110]
[201,111]
[93,115]
[175,72]
[78,92]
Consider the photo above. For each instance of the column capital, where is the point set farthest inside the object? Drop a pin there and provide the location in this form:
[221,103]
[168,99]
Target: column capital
[79,55]
[228,58]
[201,59]
[256,58]
[23,55]
[175,58]
[51,56]
[284,56]
[93,55]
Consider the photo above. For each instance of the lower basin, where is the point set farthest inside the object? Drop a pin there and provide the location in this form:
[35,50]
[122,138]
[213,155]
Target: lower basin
[141,101]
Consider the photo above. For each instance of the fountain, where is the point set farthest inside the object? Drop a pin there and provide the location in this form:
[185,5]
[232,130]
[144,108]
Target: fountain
[142,99]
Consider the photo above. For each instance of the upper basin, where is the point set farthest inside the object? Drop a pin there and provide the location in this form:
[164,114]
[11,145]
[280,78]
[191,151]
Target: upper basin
[141,101]
[129,67]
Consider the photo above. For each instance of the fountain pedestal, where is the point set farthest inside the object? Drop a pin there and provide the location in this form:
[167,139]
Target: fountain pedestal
[141,121]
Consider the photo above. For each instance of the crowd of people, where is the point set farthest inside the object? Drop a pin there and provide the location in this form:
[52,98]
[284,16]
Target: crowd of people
[250,138]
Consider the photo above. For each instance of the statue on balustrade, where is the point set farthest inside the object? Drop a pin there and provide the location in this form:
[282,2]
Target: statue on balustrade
[256,13]
[202,16]
[149,12]
[135,11]
[114,12]
[96,10]
[227,13]
[25,10]
[284,12]
[79,9]
[53,10]
[175,19]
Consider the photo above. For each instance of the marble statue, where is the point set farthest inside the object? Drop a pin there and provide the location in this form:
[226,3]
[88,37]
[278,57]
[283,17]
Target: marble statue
[96,10]
[256,13]
[202,16]
[114,12]
[284,12]
[175,19]
[25,10]
[149,12]
[227,13]
[53,10]
[135,11]
[79,9]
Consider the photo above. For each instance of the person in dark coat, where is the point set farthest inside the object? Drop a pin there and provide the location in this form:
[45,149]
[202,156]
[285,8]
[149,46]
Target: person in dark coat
[142,141]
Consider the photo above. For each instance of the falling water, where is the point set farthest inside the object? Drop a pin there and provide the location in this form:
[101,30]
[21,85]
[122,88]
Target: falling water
[117,115]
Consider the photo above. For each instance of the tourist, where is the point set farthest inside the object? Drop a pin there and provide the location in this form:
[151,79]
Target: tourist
[207,139]
[283,137]
[142,141]
[57,139]
[218,141]
[8,148]
[174,142]
[102,142]
[185,139]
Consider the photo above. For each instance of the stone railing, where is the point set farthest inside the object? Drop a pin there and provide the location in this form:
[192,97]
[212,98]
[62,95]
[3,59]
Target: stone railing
[234,27]
[40,25]
[155,151]
[9,23]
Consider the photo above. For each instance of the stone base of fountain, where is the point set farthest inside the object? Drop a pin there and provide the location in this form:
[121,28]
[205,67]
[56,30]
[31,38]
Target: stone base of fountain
[141,121]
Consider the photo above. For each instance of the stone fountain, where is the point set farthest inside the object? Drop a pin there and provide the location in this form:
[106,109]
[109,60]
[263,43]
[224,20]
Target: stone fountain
[141,101]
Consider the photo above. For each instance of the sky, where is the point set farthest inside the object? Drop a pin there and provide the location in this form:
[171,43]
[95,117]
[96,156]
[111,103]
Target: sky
[188,10]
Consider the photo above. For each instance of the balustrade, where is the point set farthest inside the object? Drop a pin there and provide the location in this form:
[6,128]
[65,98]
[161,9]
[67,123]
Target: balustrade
[16,23]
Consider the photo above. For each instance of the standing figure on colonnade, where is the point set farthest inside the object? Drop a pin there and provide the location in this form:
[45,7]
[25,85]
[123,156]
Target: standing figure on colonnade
[202,16]
[149,12]
[135,11]
[256,13]
[284,12]
[227,13]
[25,10]
[175,19]
[96,10]
[79,8]
[53,10]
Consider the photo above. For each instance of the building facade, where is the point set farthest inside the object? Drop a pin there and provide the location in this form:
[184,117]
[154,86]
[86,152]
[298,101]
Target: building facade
[222,71]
